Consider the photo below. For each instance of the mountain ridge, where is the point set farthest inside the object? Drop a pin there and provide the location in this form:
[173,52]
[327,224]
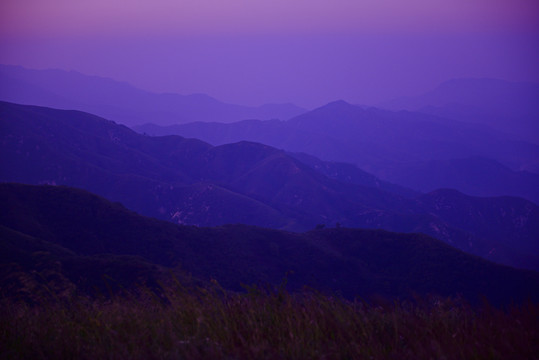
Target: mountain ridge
[188,181]
[394,146]
[121,101]
[345,262]
[505,105]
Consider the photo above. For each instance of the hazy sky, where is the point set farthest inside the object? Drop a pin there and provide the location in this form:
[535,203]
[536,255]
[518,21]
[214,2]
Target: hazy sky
[255,51]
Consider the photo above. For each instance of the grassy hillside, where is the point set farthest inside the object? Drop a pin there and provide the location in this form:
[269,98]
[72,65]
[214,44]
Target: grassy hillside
[265,325]
[65,227]
[187,181]
[85,278]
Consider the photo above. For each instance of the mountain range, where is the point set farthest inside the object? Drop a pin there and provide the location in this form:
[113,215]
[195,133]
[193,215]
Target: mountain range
[187,181]
[422,148]
[472,175]
[122,102]
[69,241]
[415,150]
[508,106]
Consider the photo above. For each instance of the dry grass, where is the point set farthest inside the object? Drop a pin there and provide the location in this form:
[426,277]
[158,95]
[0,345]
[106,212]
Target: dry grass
[264,324]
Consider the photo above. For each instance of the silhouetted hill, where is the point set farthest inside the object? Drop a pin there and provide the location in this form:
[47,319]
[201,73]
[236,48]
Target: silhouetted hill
[188,181]
[509,106]
[391,145]
[33,269]
[122,102]
[474,175]
[349,173]
[52,232]
[375,136]
[173,177]
[497,219]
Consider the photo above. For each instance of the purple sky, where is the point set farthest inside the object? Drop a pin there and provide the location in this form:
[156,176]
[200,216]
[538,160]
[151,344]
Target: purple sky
[255,51]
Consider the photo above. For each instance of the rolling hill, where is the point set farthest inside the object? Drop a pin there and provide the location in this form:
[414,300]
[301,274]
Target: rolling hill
[73,239]
[122,102]
[472,175]
[508,106]
[405,148]
[188,181]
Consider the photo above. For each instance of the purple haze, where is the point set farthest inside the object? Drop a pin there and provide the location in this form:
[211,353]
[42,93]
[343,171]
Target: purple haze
[254,52]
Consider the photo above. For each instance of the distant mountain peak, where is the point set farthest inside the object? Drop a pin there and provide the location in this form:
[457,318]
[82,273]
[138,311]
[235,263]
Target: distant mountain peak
[337,104]
[189,181]
[507,106]
[335,108]
[122,102]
